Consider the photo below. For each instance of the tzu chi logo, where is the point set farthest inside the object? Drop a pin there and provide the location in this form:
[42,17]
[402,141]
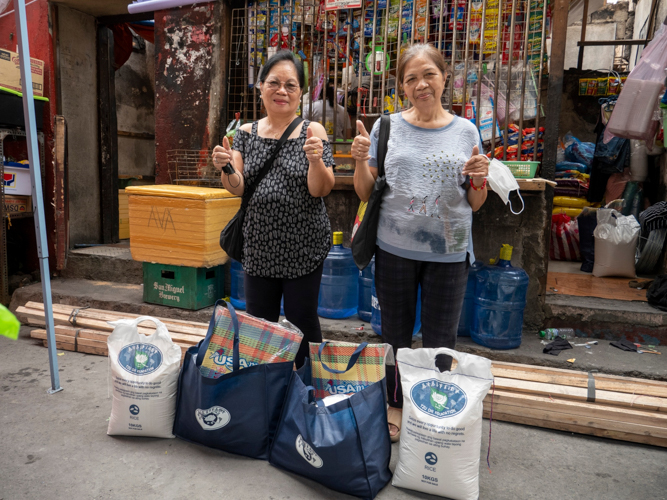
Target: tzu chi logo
[140,359]
[439,399]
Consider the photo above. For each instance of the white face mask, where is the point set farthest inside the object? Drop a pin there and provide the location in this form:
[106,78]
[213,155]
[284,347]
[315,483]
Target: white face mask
[502,182]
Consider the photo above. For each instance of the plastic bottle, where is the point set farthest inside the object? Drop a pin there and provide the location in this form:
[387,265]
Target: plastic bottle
[552,333]
[365,308]
[465,323]
[500,299]
[376,320]
[238,288]
[339,288]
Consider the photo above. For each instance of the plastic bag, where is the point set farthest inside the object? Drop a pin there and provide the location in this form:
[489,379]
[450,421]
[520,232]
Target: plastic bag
[616,238]
[232,128]
[616,185]
[144,373]
[441,427]
[564,238]
[633,116]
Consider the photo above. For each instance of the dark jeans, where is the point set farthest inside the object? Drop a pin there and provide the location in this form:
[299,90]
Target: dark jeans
[443,290]
[263,296]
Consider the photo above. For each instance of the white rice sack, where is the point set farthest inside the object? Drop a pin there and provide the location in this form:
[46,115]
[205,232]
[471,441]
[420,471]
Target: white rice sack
[441,430]
[144,375]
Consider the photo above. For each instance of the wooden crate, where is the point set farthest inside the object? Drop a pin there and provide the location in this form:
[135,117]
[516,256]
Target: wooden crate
[123,216]
[179,225]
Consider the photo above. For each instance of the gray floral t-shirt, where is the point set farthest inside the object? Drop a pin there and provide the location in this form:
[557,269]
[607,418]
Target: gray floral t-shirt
[425,214]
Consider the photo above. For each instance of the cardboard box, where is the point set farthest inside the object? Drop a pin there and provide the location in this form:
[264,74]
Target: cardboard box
[18,204]
[10,73]
[16,180]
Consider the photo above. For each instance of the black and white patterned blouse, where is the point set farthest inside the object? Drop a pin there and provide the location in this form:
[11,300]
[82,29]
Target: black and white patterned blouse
[286,231]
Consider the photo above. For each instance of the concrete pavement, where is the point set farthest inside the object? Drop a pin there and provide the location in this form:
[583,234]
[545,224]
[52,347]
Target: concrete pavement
[56,447]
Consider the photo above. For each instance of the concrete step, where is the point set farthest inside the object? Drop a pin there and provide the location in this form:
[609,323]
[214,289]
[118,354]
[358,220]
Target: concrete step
[607,319]
[126,297]
[104,263]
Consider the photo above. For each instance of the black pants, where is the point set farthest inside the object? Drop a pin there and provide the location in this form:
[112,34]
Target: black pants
[443,290]
[263,296]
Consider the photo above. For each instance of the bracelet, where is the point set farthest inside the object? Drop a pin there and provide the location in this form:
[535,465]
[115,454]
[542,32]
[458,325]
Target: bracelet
[472,185]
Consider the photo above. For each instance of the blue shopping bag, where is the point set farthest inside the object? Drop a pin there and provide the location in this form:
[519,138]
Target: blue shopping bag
[237,412]
[344,446]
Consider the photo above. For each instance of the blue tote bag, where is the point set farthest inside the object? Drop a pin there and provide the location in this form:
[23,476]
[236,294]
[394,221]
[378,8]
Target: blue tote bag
[344,446]
[239,411]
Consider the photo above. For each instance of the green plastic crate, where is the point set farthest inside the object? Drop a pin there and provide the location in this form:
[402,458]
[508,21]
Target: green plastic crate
[183,287]
[522,169]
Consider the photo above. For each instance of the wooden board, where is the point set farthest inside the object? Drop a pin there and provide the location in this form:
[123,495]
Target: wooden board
[580,408]
[581,285]
[579,394]
[574,378]
[579,429]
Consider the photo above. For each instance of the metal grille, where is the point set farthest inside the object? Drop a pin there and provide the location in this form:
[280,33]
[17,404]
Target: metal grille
[192,167]
[495,50]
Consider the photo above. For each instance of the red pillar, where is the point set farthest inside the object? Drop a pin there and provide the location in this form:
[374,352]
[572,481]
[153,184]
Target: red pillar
[189,87]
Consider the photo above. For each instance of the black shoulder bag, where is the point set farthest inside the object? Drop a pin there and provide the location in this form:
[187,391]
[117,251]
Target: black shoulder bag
[231,237]
[365,239]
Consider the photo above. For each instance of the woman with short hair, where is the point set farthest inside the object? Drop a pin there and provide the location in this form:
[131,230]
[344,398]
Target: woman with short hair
[287,233]
[436,178]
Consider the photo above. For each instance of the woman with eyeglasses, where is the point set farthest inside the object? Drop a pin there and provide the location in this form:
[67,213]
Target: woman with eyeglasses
[287,234]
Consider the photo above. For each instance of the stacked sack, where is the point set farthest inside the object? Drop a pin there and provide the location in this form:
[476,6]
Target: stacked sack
[573,170]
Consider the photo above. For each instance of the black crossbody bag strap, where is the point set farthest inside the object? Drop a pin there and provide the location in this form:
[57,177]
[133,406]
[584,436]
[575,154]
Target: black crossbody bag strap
[383,140]
[250,190]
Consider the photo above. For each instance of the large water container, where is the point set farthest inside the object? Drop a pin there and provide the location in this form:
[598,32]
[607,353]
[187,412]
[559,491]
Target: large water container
[339,289]
[465,323]
[500,298]
[365,308]
[376,320]
[238,288]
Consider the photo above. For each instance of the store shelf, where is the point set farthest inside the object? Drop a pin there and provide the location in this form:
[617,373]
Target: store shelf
[22,215]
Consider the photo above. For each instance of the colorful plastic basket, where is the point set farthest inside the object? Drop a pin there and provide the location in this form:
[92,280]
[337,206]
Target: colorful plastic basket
[522,169]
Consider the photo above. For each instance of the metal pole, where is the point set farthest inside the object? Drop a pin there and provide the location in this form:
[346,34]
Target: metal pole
[497,65]
[465,60]
[539,82]
[580,60]
[480,66]
[453,68]
[37,201]
[510,53]
[526,30]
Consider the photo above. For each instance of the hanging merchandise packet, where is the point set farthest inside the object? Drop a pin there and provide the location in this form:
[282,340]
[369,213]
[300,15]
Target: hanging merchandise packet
[370,367]
[260,342]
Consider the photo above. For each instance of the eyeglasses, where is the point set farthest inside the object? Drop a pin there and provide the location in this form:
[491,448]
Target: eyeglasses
[274,85]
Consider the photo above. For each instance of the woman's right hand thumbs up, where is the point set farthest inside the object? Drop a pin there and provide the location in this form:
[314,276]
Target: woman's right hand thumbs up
[361,144]
[222,155]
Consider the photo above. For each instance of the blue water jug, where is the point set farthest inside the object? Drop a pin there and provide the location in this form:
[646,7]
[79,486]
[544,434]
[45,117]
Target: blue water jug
[339,288]
[500,298]
[238,288]
[376,321]
[237,297]
[465,323]
[365,308]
